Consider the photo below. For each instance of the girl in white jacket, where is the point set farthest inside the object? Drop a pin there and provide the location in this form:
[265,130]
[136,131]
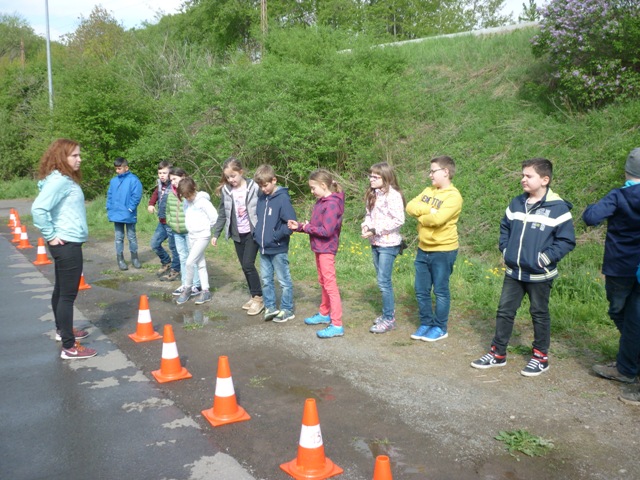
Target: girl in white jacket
[200,216]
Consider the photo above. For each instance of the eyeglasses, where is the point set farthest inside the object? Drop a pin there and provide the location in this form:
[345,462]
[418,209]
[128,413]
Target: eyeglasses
[375,177]
[432,172]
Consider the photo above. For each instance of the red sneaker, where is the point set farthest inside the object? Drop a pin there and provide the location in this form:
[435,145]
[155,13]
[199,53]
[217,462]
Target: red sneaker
[77,351]
[79,334]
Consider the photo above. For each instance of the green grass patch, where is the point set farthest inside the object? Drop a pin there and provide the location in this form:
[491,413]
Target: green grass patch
[521,441]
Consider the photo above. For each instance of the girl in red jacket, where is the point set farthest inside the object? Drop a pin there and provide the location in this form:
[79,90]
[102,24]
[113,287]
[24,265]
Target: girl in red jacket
[324,235]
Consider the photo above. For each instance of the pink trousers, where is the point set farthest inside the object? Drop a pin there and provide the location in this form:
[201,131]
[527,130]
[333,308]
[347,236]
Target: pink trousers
[331,304]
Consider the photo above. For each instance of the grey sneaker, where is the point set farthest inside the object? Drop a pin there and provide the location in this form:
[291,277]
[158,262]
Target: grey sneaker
[205,296]
[184,296]
[283,316]
[383,326]
[270,313]
[611,372]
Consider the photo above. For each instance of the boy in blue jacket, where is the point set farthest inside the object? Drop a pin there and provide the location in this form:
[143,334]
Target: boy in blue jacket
[536,232]
[123,197]
[621,209]
[272,235]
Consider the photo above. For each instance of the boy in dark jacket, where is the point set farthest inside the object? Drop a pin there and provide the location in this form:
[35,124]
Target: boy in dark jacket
[535,234]
[170,268]
[123,198]
[272,235]
[621,209]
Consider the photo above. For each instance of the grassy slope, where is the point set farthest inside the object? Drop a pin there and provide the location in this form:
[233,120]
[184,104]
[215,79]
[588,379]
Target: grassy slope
[479,100]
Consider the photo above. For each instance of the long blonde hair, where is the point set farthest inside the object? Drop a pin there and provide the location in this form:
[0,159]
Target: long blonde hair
[234,164]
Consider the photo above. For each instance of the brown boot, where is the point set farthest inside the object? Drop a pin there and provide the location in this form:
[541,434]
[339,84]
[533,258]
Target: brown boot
[256,307]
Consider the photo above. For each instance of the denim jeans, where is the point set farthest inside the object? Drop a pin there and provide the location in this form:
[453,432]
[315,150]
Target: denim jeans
[159,236]
[68,270]
[182,246]
[623,294]
[131,236]
[433,270]
[513,292]
[278,264]
[383,260]
[247,251]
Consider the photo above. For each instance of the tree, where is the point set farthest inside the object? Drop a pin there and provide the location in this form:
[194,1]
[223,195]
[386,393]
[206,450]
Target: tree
[99,37]
[17,38]
[529,13]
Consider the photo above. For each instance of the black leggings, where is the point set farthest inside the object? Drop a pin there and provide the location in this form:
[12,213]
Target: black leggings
[68,270]
[247,251]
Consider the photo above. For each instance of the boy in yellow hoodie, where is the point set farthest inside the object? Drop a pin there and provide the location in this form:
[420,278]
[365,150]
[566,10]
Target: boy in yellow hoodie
[437,210]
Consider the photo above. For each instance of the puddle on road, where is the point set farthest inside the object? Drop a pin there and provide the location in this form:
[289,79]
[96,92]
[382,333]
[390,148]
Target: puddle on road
[376,446]
[196,318]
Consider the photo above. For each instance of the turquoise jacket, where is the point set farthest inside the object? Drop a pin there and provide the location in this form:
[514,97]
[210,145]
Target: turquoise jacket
[58,210]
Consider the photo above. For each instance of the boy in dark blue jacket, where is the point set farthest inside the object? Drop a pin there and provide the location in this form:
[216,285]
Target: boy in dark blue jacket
[621,209]
[535,234]
[272,235]
[123,198]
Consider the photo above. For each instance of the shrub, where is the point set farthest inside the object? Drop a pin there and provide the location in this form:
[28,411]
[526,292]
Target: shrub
[592,45]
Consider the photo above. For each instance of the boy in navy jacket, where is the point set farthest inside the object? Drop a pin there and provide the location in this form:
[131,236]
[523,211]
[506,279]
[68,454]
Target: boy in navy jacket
[621,209]
[123,198]
[272,235]
[536,232]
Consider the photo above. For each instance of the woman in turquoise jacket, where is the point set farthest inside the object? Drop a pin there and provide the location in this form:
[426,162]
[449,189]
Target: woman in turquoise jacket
[59,213]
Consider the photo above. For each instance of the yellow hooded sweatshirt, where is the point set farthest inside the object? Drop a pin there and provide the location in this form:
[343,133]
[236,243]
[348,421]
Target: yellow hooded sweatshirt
[437,212]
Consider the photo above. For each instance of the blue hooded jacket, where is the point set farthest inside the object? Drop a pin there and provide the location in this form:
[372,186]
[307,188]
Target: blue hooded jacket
[621,209]
[123,198]
[272,233]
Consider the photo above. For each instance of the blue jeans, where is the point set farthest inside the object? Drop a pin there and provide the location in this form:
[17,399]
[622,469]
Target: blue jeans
[433,270]
[513,292]
[383,260]
[278,263]
[163,232]
[623,294]
[131,236]
[182,246]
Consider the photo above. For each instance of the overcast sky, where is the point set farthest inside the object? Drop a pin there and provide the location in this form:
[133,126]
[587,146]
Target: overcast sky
[64,14]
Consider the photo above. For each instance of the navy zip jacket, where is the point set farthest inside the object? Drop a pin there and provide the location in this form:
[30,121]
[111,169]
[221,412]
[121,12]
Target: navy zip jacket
[271,232]
[534,238]
[621,208]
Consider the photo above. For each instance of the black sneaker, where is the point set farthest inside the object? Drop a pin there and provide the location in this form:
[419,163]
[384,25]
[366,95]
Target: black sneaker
[490,360]
[538,364]
[195,291]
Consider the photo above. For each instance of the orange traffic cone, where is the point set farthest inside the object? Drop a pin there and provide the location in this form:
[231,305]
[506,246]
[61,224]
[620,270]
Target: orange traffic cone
[24,239]
[311,462]
[144,330]
[17,233]
[170,367]
[12,218]
[83,285]
[382,470]
[41,254]
[225,407]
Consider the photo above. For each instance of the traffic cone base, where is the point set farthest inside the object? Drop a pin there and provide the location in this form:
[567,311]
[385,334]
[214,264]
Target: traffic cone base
[83,285]
[311,462]
[144,331]
[225,406]
[382,469]
[170,367]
